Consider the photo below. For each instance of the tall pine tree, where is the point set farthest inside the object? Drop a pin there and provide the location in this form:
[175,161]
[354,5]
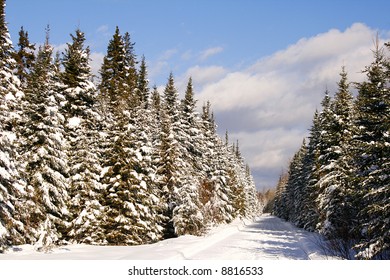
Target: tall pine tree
[13,212]
[81,126]
[44,149]
[371,153]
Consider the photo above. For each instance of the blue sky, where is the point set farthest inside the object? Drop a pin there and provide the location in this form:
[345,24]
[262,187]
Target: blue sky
[263,64]
[243,31]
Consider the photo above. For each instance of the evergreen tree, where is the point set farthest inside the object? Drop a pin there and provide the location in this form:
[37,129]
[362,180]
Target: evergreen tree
[191,134]
[142,91]
[129,215]
[371,150]
[252,203]
[131,76]
[113,72]
[218,208]
[156,101]
[81,124]
[9,83]
[187,216]
[279,205]
[132,202]
[43,150]
[144,127]
[168,173]
[14,204]
[296,186]
[171,165]
[311,175]
[171,102]
[24,57]
[324,159]
[336,176]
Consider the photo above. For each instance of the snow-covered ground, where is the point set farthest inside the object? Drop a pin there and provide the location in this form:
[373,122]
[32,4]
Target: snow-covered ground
[266,238]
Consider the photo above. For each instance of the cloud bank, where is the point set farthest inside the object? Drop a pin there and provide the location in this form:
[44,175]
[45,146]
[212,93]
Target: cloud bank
[269,105]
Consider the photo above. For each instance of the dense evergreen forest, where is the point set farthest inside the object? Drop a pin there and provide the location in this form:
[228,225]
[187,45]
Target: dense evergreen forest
[338,182]
[107,160]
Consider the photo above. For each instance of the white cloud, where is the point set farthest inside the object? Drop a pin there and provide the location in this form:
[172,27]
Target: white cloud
[205,75]
[269,106]
[210,52]
[296,72]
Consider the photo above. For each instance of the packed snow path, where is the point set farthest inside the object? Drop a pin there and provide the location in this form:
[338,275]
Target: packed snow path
[266,238]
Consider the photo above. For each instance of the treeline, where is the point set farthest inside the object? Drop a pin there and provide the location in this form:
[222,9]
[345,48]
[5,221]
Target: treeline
[338,182]
[108,163]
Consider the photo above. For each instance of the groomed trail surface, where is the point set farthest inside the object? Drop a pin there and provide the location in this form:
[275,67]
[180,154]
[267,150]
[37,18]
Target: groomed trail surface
[266,238]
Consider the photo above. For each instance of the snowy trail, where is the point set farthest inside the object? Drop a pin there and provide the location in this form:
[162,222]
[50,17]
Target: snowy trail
[266,238]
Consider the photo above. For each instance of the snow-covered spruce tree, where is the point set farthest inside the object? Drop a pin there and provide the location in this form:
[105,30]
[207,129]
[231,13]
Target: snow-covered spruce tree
[340,216]
[171,103]
[112,100]
[127,170]
[130,219]
[81,126]
[242,188]
[130,71]
[296,186]
[324,159]
[44,149]
[207,148]
[336,176]
[118,71]
[170,166]
[114,84]
[238,191]
[187,215]
[167,173]
[279,205]
[116,88]
[160,143]
[144,128]
[190,124]
[113,105]
[239,183]
[218,206]
[24,57]
[253,206]
[13,212]
[371,155]
[311,173]
[142,91]
[155,124]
